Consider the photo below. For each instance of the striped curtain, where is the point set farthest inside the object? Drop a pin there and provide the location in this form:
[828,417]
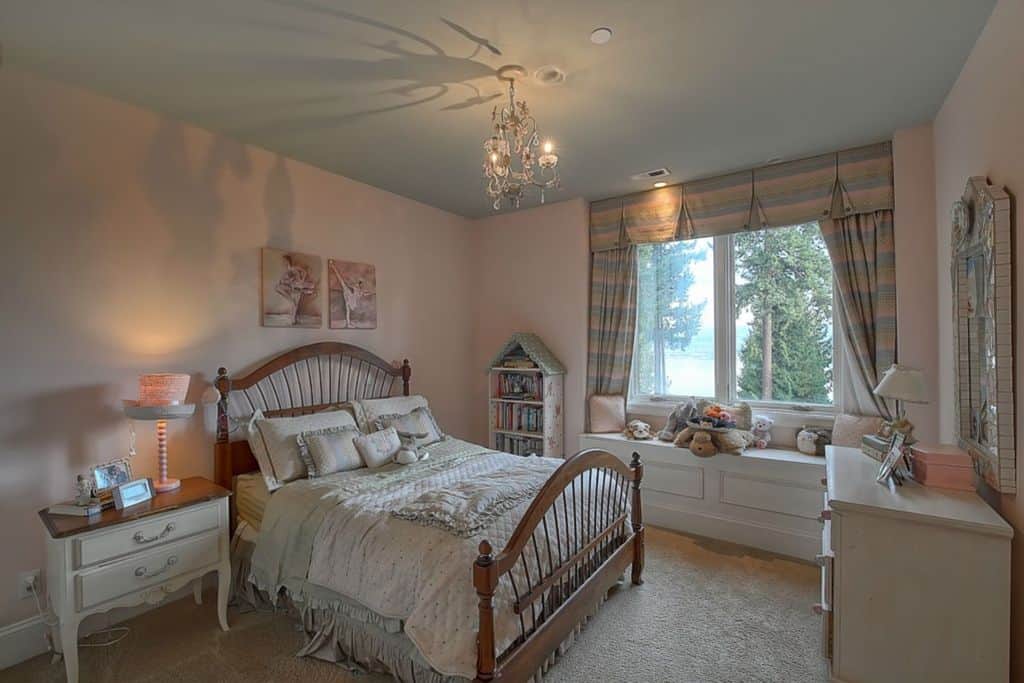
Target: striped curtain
[613,286]
[863,259]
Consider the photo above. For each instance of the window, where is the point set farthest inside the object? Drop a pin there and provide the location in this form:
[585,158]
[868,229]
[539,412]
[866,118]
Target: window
[746,316]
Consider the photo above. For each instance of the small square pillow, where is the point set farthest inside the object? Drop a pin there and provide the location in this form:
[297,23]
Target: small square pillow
[849,429]
[607,413]
[379,448]
[327,451]
[273,444]
[418,421]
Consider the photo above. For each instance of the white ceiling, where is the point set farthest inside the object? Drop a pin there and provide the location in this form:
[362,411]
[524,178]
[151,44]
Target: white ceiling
[398,94]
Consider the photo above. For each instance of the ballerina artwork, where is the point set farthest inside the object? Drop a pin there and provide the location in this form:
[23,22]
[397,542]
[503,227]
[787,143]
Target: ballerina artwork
[352,295]
[291,289]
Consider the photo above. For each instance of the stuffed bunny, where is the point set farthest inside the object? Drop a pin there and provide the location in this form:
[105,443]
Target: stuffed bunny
[677,419]
[410,452]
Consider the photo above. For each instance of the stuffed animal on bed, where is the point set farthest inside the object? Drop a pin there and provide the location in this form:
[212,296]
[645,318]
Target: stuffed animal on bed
[410,452]
[677,419]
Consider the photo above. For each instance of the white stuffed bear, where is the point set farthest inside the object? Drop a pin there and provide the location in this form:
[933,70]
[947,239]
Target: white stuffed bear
[761,428]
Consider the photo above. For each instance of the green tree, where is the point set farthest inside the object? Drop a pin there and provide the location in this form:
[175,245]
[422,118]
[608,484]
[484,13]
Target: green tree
[666,318]
[784,278]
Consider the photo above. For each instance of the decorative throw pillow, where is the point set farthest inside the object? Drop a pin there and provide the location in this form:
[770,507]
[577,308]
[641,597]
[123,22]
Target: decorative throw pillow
[849,429]
[368,410]
[607,413]
[273,443]
[327,451]
[740,412]
[379,448]
[418,421]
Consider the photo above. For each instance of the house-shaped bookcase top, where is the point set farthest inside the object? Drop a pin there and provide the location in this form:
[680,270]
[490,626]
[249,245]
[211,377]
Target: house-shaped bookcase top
[525,400]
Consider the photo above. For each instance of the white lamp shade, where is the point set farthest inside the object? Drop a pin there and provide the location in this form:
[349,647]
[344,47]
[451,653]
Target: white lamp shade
[163,389]
[902,383]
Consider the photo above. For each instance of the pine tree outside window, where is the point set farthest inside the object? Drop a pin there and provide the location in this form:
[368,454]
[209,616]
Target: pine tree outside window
[740,317]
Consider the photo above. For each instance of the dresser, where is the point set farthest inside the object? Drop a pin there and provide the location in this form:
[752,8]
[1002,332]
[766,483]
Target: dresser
[915,580]
[141,554]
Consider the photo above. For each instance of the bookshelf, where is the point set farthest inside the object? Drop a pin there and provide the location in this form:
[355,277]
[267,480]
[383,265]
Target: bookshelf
[525,395]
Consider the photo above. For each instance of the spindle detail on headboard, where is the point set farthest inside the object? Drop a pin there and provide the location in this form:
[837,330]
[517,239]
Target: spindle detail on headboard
[305,380]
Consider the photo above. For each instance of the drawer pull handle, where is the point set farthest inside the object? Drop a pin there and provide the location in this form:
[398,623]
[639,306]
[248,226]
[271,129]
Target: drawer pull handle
[825,516]
[144,573]
[140,537]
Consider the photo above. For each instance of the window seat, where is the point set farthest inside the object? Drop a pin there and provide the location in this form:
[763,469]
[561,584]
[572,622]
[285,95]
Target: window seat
[765,498]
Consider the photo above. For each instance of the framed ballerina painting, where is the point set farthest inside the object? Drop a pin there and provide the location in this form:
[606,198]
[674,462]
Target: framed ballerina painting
[352,295]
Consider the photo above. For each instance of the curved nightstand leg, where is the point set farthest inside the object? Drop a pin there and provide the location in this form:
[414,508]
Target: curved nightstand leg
[223,589]
[69,647]
[197,590]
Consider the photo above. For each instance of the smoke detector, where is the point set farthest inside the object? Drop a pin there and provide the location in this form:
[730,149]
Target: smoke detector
[653,173]
[549,75]
[600,35]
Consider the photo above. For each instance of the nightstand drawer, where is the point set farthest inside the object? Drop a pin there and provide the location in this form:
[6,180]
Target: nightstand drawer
[146,569]
[164,528]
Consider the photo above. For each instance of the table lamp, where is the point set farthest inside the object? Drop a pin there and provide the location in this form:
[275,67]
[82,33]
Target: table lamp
[161,398]
[904,385]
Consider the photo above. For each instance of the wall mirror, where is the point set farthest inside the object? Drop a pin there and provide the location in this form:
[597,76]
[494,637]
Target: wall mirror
[983,331]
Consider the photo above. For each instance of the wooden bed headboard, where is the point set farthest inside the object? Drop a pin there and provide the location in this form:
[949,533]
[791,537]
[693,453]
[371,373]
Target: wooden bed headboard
[305,380]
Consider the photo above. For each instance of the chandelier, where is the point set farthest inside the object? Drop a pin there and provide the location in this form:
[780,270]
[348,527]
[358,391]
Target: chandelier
[512,164]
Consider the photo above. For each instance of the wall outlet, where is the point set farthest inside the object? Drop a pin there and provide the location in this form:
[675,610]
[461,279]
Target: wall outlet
[33,577]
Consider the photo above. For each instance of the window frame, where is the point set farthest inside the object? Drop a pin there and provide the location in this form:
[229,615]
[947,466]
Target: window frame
[790,413]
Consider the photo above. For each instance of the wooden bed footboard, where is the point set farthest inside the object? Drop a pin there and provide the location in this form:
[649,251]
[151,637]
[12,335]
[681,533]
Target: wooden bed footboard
[570,548]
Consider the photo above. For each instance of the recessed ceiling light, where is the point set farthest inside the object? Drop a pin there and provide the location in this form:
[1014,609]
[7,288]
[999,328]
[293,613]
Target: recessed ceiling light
[549,75]
[660,183]
[600,36]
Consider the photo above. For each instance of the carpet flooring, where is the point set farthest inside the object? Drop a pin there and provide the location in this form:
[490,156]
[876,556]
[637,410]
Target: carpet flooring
[707,612]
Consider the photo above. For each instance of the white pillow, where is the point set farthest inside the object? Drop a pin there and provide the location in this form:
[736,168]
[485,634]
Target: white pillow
[379,448]
[369,410]
[327,451]
[274,446]
[418,421]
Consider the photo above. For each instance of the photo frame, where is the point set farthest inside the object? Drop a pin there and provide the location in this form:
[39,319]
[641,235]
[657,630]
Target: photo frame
[290,289]
[132,493]
[891,462]
[110,474]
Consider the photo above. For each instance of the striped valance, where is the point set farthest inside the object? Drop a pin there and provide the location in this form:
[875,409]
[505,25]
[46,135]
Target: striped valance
[835,185]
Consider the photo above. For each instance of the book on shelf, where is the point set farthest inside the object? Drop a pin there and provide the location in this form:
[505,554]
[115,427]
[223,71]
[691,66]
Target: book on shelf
[71,508]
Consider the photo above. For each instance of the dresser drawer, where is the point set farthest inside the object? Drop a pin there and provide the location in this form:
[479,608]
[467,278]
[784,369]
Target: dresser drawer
[146,569]
[133,538]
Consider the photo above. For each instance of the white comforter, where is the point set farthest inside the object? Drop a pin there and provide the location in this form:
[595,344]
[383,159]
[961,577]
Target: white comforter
[401,541]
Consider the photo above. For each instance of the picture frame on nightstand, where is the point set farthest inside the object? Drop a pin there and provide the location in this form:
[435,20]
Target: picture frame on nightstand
[132,493]
[890,467]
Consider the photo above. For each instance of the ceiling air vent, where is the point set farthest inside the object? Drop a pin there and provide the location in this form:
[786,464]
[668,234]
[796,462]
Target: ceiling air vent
[655,173]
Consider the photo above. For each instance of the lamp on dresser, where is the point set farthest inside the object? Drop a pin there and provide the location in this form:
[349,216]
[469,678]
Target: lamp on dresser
[161,398]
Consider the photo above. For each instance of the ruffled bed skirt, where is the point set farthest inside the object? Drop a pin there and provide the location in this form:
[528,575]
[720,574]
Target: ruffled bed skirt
[348,634]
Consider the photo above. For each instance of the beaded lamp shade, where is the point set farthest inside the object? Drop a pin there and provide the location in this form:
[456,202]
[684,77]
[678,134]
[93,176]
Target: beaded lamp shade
[161,398]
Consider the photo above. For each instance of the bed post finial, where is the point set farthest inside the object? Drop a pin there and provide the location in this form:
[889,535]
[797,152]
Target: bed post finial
[638,521]
[406,374]
[222,473]
[485,580]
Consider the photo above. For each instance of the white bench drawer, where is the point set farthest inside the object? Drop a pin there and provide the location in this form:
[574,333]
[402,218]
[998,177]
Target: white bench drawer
[146,569]
[133,538]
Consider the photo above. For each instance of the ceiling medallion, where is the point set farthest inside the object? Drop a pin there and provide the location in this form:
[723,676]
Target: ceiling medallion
[511,153]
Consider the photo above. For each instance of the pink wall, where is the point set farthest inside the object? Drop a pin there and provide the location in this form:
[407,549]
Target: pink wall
[532,275]
[916,295]
[980,131]
[131,244]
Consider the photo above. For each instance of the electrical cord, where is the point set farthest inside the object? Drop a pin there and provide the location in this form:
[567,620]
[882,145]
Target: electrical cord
[122,631]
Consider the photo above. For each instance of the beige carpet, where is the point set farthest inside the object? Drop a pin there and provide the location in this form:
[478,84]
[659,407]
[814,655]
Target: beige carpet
[709,611]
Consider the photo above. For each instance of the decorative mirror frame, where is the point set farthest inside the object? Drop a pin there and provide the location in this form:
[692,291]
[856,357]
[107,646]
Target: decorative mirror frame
[983,331]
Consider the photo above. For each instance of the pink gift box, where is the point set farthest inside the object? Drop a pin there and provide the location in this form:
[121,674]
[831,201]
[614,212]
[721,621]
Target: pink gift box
[943,466]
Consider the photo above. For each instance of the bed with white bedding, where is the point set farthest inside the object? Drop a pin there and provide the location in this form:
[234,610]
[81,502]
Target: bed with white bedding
[394,568]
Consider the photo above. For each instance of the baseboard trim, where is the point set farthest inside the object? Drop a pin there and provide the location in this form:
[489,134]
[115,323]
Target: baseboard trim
[26,639]
[22,640]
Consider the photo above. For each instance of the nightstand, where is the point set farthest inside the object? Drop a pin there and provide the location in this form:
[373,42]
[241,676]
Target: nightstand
[121,558]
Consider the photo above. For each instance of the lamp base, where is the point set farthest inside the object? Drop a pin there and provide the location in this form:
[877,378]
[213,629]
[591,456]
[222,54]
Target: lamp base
[166,485]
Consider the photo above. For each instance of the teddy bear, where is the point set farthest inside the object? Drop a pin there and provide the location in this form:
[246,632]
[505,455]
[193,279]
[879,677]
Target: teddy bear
[732,440]
[702,445]
[637,430]
[684,437]
[677,419]
[761,428]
